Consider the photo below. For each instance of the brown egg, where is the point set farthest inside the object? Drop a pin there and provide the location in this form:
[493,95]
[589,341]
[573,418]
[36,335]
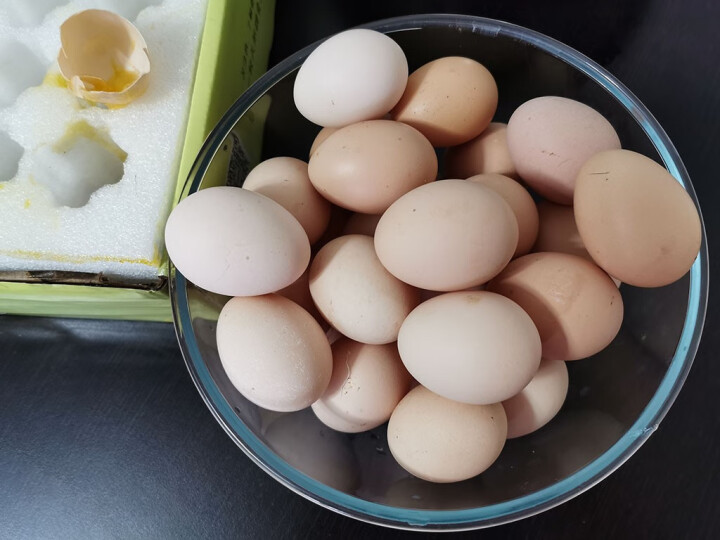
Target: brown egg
[636,220]
[273,352]
[558,232]
[285,181]
[356,294]
[299,292]
[539,401]
[367,383]
[447,236]
[338,218]
[550,137]
[576,307]
[323,134]
[486,153]
[521,204]
[440,440]
[449,100]
[362,224]
[366,166]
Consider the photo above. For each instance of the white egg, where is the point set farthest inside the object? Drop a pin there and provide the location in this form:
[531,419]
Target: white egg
[232,241]
[353,76]
[472,347]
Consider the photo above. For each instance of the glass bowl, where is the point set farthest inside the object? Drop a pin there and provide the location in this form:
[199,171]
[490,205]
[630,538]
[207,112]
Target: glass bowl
[615,400]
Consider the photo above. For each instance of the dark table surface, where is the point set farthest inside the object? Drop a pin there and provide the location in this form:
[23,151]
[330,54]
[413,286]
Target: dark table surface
[102,434]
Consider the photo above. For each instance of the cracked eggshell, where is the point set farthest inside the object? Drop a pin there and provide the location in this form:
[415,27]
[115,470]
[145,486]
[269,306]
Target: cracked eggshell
[103,57]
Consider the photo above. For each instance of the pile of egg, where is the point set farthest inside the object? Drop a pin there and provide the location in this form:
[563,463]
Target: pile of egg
[447,307]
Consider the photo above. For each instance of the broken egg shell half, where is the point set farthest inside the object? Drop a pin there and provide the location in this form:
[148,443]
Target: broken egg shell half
[103,57]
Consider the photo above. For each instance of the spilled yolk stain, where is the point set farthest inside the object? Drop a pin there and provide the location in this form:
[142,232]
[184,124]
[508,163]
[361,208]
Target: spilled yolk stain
[55,78]
[119,81]
[83,129]
[26,254]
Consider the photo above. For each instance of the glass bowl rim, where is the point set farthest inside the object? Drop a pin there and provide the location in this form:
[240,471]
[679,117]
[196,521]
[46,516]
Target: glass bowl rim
[506,511]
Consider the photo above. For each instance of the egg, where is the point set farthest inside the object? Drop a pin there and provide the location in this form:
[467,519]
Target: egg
[447,235]
[367,383]
[323,134]
[362,224]
[338,219]
[285,180]
[356,294]
[575,306]
[521,203]
[473,347]
[449,100]
[333,335]
[550,137]
[636,220]
[234,242]
[273,352]
[557,230]
[427,295]
[365,167]
[103,58]
[539,401]
[440,440]
[353,76]
[299,292]
[486,153]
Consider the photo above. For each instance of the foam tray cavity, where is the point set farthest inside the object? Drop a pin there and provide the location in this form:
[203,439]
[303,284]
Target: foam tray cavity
[85,188]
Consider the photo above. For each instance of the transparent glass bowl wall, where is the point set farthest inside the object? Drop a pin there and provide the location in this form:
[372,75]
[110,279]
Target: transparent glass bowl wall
[615,400]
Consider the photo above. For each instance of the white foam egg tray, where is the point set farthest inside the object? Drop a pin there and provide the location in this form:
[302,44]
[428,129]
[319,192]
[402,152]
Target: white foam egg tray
[86,189]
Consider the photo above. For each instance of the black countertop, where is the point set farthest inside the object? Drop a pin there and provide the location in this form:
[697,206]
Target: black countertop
[102,434]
